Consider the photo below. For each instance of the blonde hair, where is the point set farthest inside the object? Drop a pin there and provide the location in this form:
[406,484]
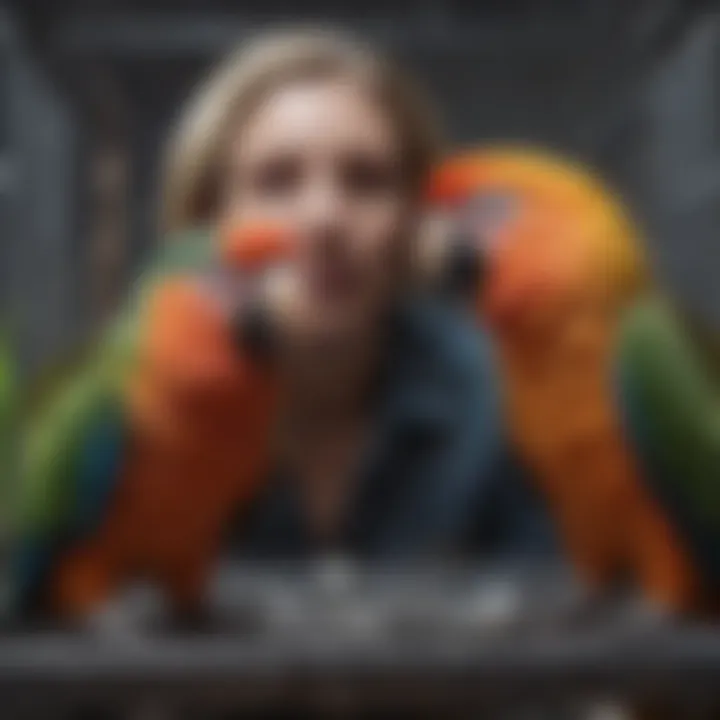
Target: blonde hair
[193,165]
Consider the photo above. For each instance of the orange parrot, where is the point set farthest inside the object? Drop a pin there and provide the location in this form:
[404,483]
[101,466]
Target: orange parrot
[138,476]
[561,265]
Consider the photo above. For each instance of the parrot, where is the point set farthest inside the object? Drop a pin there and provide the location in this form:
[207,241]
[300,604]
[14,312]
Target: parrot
[564,286]
[135,469]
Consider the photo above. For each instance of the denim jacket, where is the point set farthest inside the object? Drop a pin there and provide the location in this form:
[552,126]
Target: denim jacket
[437,479]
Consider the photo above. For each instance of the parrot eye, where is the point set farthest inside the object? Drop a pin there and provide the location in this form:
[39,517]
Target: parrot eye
[486,213]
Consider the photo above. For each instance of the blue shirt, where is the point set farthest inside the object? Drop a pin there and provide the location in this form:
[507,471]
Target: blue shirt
[437,479]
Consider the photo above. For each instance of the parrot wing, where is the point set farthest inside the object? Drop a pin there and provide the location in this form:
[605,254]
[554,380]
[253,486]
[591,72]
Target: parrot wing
[670,394]
[75,436]
[70,466]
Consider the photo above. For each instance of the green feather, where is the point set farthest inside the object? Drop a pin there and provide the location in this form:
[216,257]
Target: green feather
[673,382]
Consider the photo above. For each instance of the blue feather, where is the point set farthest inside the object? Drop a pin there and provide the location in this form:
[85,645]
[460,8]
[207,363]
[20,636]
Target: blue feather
[98,473]
[96,476]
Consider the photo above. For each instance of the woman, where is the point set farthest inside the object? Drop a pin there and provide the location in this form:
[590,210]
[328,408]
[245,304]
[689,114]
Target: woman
[392,442]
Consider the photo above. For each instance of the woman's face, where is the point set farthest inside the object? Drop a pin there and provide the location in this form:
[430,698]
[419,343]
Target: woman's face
[323,157]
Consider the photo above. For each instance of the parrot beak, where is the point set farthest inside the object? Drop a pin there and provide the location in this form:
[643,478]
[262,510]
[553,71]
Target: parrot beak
[255,332]
[260,323]
[465,267]
[450,259]
[252,247]
[261,253]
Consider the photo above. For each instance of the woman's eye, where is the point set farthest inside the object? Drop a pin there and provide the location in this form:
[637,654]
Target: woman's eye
[368,177]
[277,178]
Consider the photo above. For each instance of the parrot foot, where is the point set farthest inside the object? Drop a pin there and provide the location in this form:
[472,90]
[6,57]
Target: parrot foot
[113,622]
[582,608]
[194,621]
[615,610]
[127,618]
[640,616]
[244,621]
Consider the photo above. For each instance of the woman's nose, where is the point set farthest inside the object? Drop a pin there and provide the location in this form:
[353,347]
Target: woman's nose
[324,209]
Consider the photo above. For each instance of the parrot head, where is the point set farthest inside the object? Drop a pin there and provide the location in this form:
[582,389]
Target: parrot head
[206,332]
[545,232]
[260,256]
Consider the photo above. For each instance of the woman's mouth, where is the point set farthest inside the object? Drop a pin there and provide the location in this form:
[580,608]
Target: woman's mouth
[333,279]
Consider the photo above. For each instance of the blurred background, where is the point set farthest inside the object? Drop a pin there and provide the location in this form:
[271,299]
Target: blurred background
[88,88]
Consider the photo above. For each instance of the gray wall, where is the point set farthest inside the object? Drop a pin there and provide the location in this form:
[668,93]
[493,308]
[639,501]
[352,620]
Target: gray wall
[39,253]
[679,164]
